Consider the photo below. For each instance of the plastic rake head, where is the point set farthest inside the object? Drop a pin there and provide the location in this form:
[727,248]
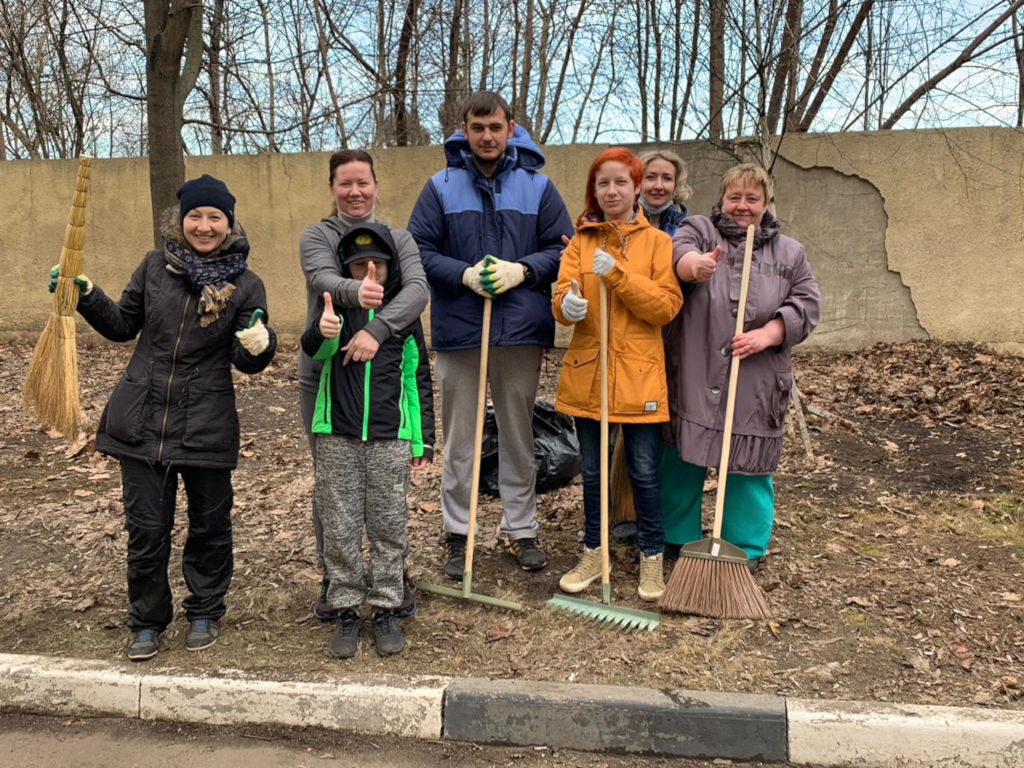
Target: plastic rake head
[609,616]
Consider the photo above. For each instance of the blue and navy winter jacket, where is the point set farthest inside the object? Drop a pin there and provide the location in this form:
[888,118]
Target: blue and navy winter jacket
[517,215]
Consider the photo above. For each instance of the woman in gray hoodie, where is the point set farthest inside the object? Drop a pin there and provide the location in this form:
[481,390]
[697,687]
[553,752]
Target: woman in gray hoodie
[354,187]
[783,306]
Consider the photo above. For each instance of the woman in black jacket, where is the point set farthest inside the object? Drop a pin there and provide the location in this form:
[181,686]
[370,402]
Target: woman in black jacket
[196,310]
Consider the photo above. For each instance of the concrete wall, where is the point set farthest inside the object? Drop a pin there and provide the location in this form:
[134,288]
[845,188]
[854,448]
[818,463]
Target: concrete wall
[911,234]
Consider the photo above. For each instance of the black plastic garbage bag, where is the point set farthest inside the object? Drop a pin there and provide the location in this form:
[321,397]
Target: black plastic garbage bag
[556,449]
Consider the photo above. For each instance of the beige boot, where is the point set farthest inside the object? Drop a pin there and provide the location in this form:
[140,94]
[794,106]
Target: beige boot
[586,572]
[652,579]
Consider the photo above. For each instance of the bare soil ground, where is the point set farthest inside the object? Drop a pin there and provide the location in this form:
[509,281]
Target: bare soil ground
[895,573]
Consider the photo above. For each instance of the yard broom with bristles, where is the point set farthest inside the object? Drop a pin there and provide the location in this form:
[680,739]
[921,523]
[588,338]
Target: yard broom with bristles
[604,612]
[51,386]
[711,577]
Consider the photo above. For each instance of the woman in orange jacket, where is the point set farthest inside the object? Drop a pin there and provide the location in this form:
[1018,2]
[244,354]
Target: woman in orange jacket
[615,243]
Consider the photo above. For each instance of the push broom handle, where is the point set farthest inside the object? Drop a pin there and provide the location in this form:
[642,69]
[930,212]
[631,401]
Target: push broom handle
[730,398]
[478,441]
[605,555]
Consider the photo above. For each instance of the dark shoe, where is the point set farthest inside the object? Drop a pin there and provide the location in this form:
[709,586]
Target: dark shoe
[455,565]
[346,636]
[387,635]
[408,606]
[202,633]
[753,563]
[623,533]
[529,556]
[144,645]
[322,610]
[672,552]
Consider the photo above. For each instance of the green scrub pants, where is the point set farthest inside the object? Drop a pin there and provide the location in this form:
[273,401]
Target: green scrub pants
[749,505]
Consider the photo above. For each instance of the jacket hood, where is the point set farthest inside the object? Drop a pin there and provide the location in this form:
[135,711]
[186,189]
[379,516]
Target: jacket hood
[521,152]
[586,221]
[393,283]
[170,230]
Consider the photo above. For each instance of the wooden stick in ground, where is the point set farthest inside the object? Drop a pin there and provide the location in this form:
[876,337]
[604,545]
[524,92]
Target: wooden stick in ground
[798,409]
[606,585]
[711,577]
[478,441]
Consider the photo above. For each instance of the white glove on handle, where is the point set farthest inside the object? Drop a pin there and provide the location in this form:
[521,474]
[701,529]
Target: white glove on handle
[255,338]
[471,278]
[500,275]
[603,262]
[574,306]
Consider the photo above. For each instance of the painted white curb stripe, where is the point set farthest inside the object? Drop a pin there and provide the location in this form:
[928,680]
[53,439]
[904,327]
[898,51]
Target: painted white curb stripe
[849,733]
[412,711]
[50,685]
[67,686]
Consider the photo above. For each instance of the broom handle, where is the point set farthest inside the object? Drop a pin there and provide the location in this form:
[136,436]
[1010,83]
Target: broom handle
[605,555]
[478,441]
[730,398]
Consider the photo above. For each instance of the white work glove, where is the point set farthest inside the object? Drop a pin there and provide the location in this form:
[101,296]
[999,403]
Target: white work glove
[499,275]
[471,278]
[603,262]
[255,338]
[574,306]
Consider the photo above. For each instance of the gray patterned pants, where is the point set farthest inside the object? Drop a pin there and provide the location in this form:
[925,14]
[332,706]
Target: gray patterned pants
[362,485]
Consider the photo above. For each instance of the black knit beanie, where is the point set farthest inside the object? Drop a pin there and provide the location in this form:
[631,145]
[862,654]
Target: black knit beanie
[203,191]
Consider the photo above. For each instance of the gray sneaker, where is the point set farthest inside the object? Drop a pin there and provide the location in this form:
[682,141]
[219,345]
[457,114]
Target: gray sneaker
[202,633]
[346,637]
[144,645]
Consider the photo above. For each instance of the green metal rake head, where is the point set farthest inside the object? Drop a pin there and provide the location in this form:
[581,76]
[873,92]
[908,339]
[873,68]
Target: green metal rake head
[613,617]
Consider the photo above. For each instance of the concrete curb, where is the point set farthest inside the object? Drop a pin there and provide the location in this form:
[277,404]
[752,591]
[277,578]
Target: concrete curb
[512,712]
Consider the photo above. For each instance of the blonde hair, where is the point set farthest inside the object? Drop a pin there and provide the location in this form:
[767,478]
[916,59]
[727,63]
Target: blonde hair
[748,175]
[683,190]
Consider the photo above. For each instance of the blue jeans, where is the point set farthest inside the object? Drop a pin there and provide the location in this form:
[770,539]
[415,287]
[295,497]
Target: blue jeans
[641,443]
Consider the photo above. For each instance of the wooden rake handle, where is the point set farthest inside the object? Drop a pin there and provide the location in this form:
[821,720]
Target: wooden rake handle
[478,442]
[605,555]
[730,398]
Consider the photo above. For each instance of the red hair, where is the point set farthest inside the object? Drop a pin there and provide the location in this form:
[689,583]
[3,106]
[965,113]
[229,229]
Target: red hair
[612,155]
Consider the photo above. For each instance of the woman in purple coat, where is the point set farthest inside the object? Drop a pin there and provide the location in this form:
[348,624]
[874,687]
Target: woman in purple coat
[783,305]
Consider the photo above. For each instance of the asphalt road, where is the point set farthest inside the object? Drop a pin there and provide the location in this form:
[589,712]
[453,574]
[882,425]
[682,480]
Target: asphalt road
[44,742]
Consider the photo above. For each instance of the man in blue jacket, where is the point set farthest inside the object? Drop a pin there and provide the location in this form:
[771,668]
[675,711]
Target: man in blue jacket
[490,201]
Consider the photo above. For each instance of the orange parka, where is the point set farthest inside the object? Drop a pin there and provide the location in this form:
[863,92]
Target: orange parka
[643,296]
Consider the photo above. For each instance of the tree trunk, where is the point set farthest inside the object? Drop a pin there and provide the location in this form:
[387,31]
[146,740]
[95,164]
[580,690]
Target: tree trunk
[169,27]
[716,92]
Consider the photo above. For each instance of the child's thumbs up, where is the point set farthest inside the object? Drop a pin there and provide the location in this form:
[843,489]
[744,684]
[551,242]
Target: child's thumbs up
[330,326]
[371,293]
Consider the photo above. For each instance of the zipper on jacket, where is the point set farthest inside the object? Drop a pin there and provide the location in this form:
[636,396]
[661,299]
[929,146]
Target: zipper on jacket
[366,393]
[170,379]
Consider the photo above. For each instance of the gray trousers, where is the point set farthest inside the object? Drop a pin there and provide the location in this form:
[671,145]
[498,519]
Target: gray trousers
[307,402]
[362,486]
[513,374]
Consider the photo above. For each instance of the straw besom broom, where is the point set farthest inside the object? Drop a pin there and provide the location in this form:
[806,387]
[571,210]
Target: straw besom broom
[51,386]
[711,577]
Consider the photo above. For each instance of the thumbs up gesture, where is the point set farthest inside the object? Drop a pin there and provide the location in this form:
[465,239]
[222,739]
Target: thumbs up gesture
[704,265]
[255,338]
[371,293]
[330,325]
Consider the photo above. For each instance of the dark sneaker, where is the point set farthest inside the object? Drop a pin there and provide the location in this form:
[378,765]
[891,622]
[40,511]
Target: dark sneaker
[386,634]
[455,565]
[623,533]
[202,633]
[753,563]
[408,606]
[529,556]
[322,610]
[144,645]
[346,636]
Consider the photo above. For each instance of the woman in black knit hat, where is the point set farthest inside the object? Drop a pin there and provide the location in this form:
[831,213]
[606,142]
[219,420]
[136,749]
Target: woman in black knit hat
[196,310]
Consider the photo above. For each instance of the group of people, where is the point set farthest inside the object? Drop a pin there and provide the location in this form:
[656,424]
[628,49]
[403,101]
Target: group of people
[491,228]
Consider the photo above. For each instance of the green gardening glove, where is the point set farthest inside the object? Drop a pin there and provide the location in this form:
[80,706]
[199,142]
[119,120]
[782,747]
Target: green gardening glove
[84,283]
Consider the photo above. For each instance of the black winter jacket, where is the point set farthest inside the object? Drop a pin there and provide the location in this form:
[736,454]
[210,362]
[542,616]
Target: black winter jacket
[175,402]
